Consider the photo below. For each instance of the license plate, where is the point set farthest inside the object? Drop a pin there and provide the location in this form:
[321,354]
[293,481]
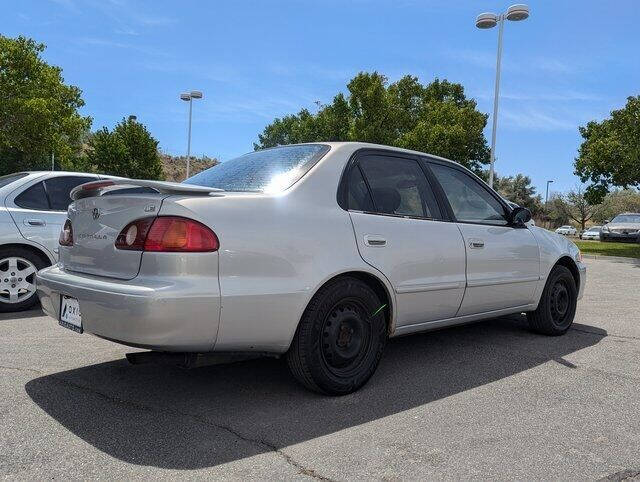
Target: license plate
[70,316]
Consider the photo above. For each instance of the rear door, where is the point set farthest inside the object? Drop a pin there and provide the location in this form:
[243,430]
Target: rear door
[40,210]
[503,261]
[399,230]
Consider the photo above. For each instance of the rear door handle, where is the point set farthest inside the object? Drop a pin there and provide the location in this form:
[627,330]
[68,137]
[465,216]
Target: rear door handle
[374,240]
[476,243]
[34,222]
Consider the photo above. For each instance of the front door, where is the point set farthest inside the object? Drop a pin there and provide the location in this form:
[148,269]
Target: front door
[503,262]
[398,228]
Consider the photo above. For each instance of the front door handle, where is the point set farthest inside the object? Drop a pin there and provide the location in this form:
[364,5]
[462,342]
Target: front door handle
[374,240]
[476,243]
[34,222]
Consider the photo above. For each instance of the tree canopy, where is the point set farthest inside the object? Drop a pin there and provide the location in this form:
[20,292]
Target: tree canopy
[128,151]
[38,111]
[610,153]
[436,118]
[518,189]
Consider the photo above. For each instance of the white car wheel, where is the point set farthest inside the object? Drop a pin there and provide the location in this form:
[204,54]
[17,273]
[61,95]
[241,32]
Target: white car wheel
[18,269]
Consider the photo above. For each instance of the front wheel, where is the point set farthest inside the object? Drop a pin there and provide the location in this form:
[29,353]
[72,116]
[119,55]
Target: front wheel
[340,338]
[557,306]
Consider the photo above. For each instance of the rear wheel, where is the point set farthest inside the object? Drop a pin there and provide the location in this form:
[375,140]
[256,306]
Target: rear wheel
[557,306]
[340,338]
[18,267]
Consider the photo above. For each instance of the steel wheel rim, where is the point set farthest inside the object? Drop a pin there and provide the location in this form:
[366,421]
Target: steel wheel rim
[345,337]
[17,279]
[560,302]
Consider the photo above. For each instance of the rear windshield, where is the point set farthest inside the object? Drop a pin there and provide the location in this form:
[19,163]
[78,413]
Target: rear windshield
[9,178]
[627,218]
[269,170]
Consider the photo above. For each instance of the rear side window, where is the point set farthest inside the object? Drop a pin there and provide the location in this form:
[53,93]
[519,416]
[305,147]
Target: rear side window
[399,186]
[358,197]
[59,189]
[469,200]
[33,198]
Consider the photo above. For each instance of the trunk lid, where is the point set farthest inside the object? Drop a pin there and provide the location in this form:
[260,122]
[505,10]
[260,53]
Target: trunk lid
[96,223]
[101,210]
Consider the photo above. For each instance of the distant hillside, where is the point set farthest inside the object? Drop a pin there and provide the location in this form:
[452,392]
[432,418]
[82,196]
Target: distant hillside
[175,168]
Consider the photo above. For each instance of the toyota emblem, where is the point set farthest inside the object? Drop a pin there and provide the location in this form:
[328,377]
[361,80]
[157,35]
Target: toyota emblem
[96,213]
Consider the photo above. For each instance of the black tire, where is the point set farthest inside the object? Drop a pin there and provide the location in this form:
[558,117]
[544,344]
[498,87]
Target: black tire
[340,338]
[17,252]
[557,306]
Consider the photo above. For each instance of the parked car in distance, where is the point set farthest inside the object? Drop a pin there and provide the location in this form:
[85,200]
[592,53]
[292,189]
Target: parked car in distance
[624,227]
[592,233]
[33,208]
[318,252]
[567,230]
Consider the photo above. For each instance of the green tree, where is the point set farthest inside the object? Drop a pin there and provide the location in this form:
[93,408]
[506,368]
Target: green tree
[518,189]
[616,202]
[610,153]
[38,111]
[435,118]
[128,151]
[578,208]
[556,211]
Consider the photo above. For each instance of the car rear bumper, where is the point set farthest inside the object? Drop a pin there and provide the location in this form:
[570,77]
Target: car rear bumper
[173,314]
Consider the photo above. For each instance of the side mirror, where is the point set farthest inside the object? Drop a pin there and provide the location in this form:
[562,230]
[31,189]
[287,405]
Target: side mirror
[520,216]
[607,221]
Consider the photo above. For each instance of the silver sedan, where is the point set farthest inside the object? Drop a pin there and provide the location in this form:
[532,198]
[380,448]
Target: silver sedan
[318,252]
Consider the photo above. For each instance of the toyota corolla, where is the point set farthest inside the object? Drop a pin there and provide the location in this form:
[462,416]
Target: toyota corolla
[318,252]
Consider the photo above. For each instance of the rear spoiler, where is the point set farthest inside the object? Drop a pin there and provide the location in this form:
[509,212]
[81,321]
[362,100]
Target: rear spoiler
[96,188]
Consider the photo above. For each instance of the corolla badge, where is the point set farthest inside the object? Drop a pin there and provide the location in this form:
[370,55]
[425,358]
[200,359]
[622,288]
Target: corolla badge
[96,213]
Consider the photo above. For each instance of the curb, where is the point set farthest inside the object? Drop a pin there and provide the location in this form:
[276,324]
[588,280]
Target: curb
[619,259]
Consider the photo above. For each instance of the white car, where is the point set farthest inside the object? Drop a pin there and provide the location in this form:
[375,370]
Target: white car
[33,208]
[592,233]
[319,252]
[567,230]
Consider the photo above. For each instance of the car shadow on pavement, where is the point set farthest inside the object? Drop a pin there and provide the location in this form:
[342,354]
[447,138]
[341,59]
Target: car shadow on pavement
[186,419]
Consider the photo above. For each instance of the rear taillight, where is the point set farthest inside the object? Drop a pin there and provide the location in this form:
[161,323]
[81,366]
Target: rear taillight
[66,235]
[167,234]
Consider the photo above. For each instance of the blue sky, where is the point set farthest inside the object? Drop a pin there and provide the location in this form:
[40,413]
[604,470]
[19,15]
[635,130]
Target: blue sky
[255,60]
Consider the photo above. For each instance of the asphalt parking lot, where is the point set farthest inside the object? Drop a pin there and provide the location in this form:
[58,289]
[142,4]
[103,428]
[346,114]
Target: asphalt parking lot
[489,400]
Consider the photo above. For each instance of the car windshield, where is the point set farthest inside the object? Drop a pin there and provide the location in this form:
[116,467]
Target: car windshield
[269,170]
[9,178]
[627,218]
[594,228]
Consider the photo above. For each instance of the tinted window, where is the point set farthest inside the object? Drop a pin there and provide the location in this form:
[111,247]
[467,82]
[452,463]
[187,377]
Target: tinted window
[59,188]
[470,201]
[33,198]
[398,186]
[269,170]
[9,178]
[358,197]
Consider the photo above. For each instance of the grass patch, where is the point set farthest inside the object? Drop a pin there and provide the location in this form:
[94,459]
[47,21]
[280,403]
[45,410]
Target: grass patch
[628,250]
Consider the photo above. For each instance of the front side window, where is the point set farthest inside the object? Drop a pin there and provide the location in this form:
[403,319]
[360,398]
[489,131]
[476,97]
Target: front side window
[59,189]
[469,200]
[34,197]
[399,186]
[269,170]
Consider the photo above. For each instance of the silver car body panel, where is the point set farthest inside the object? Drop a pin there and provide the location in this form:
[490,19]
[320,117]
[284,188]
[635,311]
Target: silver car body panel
[277,250]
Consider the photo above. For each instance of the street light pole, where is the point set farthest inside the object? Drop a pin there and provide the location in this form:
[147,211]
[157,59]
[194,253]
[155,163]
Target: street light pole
[490,20]
[189,96]
[496,96]
[546,196]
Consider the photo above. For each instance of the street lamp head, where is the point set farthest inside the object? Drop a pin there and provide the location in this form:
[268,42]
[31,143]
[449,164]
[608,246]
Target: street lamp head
[520,11]
[186,97]
[196,94]
[486,20]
